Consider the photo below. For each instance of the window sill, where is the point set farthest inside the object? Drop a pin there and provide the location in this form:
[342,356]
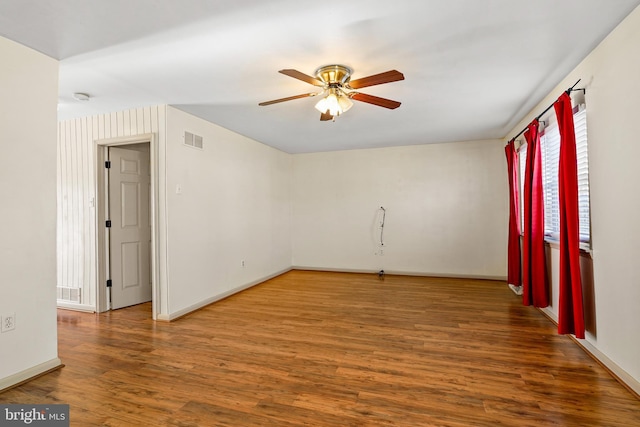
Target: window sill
[585,248]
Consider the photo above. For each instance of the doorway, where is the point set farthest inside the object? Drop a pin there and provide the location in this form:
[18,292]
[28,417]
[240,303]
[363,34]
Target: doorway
[129,182]
[126,223]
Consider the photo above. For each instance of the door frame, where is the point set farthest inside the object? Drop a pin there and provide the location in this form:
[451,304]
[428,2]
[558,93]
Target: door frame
[102,237]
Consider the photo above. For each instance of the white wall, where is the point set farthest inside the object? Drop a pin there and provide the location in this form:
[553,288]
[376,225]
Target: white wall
[611,75]
[29,88]
[77,198]
[446,209]
[234,205]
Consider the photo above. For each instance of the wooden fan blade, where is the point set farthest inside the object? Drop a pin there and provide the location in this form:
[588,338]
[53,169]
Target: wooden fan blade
[301,76]
[289,98]
[370,99]
[324,117]
[377,79]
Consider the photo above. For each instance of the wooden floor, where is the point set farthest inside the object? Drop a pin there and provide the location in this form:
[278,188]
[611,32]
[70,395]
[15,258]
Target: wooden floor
[332,349]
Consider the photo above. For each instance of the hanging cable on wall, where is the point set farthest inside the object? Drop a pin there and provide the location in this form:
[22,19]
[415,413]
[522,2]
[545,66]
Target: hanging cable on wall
[384,214]
[381,243]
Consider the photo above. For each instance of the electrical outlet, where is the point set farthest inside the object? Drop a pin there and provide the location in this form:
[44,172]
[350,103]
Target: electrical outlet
[8,322]
[242,263]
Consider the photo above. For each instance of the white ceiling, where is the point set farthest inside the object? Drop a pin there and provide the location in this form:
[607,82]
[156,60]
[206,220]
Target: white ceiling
[473,68]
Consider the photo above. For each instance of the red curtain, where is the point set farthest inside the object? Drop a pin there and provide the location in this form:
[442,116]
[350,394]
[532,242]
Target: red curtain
[570,311]
[534,278]
[513,248]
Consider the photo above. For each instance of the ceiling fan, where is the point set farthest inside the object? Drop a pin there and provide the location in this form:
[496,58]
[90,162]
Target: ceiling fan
[338,89]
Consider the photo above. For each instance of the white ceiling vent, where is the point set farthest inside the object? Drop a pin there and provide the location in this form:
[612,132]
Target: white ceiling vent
[192,140]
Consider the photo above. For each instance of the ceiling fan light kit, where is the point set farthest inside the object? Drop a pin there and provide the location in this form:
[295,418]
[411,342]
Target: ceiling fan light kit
[338,89]
[335,103]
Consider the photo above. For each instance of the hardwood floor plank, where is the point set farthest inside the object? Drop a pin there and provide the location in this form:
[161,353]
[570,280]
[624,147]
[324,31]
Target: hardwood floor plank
[332,349]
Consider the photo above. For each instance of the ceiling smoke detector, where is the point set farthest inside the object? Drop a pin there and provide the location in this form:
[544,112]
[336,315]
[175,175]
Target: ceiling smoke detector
[81,96]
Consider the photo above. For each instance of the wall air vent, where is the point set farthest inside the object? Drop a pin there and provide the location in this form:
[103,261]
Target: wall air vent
[69,294]
[193,140]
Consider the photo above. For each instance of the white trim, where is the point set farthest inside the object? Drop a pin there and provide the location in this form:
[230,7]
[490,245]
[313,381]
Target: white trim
[622,375]
[403,273]
[126,140]
[549,312]
[588,347]
[203,303]
[66,305]
[29,373]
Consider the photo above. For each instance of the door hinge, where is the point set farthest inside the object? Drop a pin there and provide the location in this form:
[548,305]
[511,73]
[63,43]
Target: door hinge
[108,224]
[109,283]
[107,164]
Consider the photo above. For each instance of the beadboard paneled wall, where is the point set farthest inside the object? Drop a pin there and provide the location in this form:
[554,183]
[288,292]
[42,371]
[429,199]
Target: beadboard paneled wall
[77,193]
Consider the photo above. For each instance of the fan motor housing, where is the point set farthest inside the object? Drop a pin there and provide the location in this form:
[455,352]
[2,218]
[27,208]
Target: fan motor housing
[334,74]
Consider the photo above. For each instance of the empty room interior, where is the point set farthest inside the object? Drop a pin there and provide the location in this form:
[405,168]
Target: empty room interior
[291,213]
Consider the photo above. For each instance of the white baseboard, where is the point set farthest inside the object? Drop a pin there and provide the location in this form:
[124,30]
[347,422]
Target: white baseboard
[27,374]
[177,314]
[550,314]
[622,375]
[403,273]
[66,305]
[613,367]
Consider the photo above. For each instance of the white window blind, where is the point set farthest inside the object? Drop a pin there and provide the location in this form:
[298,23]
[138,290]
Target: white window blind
[580,124]
[550,148]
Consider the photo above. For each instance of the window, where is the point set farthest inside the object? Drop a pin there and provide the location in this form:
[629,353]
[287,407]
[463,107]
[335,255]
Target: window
[550,148]
[522,159]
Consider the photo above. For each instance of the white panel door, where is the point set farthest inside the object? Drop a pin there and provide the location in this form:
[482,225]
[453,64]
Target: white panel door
[130,233]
